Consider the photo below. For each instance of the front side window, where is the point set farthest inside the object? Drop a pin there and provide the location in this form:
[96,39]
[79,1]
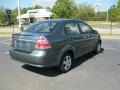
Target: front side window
[84,28]
[42,27]
[71,29]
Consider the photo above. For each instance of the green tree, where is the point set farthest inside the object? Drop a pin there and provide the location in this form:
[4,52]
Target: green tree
[114,11]
[118,3]
[14,14]
[2,16]
[100,16]
[117,11]
[64,9]
[23,10]
[37,7]
[48,8]
[85,11]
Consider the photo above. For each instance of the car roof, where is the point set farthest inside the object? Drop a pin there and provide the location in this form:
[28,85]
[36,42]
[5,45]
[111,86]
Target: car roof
[64,20]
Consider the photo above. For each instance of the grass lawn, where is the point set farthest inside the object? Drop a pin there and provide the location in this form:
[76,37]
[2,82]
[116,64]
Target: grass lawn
[114,35]
[6,33]
[104,24]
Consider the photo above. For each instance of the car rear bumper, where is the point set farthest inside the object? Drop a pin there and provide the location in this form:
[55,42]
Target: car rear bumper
[36,58]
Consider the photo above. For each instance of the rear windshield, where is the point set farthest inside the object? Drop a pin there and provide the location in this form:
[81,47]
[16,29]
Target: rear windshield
[42,27]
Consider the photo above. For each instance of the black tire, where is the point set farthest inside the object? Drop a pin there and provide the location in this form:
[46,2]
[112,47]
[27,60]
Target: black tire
[66,63]
[98,48]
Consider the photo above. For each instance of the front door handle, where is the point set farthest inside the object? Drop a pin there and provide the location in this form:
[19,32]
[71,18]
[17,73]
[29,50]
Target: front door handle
[84,37]
[88,35]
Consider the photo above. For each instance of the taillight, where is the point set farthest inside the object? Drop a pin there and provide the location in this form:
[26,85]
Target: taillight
[42,43]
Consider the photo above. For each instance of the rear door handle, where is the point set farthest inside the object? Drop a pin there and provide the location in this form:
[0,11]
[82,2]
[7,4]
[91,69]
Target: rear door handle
[84,37]
[88,35]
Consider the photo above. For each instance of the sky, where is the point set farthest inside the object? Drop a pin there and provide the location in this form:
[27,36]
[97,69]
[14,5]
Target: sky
[11,4]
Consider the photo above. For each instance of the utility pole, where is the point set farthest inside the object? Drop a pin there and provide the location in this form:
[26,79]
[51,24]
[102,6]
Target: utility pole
[18,1]
[107,16]
[98,11]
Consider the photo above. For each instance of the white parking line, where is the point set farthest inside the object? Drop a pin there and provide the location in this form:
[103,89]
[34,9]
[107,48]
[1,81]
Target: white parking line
[6,43]
[110,48]
[4,40]
[7,52]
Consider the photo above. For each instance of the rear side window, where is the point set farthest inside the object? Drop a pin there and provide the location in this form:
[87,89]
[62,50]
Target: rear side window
[42,27]
[84,28]
[71,29]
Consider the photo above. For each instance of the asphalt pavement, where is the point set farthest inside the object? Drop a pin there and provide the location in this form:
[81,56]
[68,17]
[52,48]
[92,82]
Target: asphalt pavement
[90,72]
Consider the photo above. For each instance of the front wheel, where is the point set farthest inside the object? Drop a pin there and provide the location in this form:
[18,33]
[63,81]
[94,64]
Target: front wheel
[66,63]
[98,48]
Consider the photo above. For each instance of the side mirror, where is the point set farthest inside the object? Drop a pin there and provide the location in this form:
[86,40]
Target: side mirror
[94,31]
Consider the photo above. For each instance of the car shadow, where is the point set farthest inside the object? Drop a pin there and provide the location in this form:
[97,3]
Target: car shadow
[118,64]
[84,58]
[53,71]
[47,71]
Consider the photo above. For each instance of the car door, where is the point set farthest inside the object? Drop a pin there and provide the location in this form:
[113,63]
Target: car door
[73,37]
[91,38]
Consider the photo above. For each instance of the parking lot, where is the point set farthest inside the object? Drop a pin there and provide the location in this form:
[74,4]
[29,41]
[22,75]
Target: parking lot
[90,72]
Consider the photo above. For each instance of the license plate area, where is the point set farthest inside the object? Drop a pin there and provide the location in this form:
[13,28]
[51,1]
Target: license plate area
[22,45]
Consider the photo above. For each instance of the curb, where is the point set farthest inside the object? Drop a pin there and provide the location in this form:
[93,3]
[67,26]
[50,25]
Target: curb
[109,37]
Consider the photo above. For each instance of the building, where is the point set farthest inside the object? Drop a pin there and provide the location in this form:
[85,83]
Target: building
[35,15]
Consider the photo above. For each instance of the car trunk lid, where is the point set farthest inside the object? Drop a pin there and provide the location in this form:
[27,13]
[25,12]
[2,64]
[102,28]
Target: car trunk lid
[25,41]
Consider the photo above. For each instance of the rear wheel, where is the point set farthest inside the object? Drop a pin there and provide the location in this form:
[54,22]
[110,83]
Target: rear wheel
[66,63]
